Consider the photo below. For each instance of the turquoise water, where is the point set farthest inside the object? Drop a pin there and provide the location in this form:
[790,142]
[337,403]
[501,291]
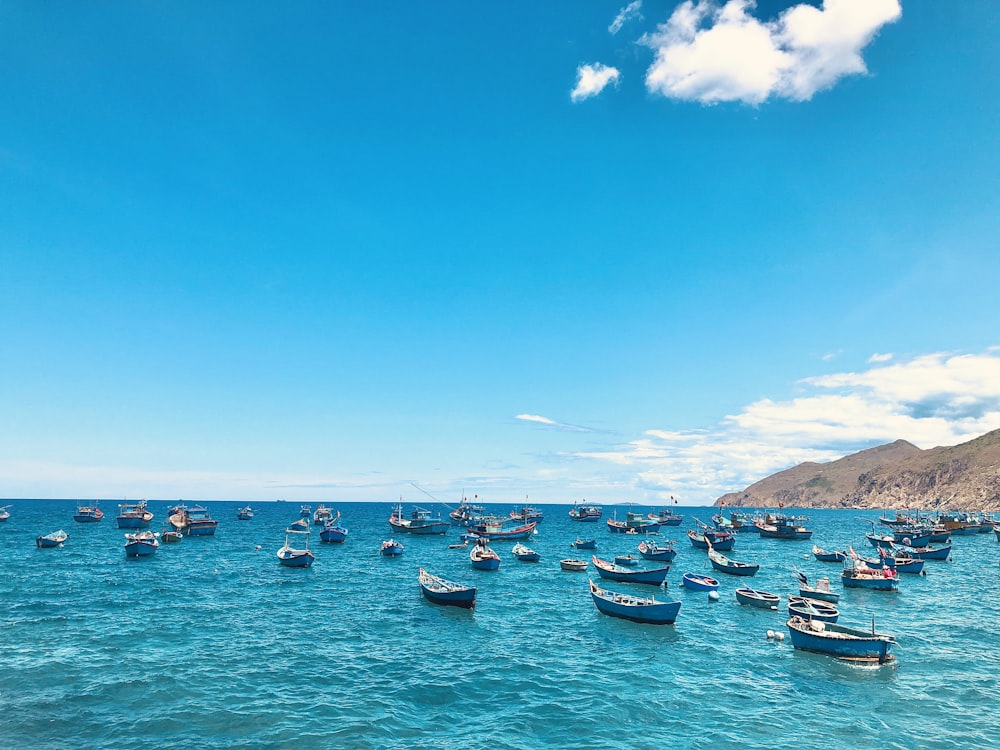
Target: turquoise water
[212,644]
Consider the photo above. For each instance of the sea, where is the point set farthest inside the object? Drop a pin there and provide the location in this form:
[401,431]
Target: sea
[210,643]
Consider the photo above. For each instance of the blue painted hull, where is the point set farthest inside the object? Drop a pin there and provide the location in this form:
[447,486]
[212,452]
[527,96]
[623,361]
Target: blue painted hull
[296,558]
[932,553]
[874,583]
[139,549]
[637,609]
[439,591]
[654,552]
[528,557]
[585,544]
[815,610]
[333,535]
[840,641]
[696,582]
[653,577]
[759,599]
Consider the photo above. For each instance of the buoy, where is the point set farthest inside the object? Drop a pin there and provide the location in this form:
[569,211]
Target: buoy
[770,635]
[779,636]
[713,596]
[257,548]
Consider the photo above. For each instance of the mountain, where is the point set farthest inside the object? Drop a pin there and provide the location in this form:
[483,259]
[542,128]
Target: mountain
[895,475]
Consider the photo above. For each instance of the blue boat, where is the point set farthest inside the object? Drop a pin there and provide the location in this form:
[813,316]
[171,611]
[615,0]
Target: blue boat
[823,556]
[391,548]
[913,536]
[731,567]
[586,513]
[245,513]
[496,528]
[193,521]
[788,528]
[856,575]
[439,591]
[698,582]
[133,515]
[55,539]
[756,598]
[483,557]
[323,516]
[634,523]
[333,532]
[652,576]
[88,514]
[723,541]
[584,544]
[820,591]
[141,544]
[812,609]
[931,553]
[666,517]
[737,523]
[292,556]
[635,608]
[652,550]
[525,554]
[841,641]
[420,522]
[627,561]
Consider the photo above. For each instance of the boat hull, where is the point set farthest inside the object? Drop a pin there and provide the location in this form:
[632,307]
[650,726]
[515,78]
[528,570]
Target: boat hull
[696,582]
[840,641]
[873,583]
[653,576]
[445,593]
[296,558]
[759,599]
[633,608]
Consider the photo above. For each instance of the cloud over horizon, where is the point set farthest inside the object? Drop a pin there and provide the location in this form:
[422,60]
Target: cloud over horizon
[626,14]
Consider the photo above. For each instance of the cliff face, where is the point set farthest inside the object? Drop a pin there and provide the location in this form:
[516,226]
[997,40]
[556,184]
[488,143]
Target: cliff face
[896,475]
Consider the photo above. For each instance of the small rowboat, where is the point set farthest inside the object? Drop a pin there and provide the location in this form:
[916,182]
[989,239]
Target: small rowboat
[141,544]
[391,548]
[296,557]
[734,568]
[629,561]
[857,577]
[931,553]
[698,582]
[525,554]
[584,544]
[653,551]
[820,591]
[823,556]
[55,539]
[439,591]
[653,576]
[635,608]
[812,609]
[333,532]
[483,557]
[573,565]
[723,541]
[851,644]
[755,598]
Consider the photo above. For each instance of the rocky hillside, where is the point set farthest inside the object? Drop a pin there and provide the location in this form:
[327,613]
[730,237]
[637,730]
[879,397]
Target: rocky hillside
[896,475]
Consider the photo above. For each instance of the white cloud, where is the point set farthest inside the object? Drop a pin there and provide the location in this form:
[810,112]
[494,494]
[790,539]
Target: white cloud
[709,53]
[591,80]
[880,357]
[625,15]
[550,422]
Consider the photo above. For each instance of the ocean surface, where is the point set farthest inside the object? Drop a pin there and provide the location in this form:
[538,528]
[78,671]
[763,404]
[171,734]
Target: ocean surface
[211,643]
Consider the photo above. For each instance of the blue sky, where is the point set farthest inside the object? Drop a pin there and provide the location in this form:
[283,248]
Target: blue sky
[604,250]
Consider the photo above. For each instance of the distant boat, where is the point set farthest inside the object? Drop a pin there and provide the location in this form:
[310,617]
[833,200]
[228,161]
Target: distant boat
[586,513]
[170,535]
[305,511]
[584,543]
[322,516]
[724,564]
[4,513]
[722,541]
[439,591]
[88,514]
[634,523]
[652,576]
[841,641]
[526,514]
[652,550]
[292,556]
[856,575]
[55,539]
[483,557]
[737,523]
[812,609]
[391,548]
[931,553]
[420,522]
[500,529]
[466,511]
[698,582]
[193,521]
[141,544]
[783,527]
[133,515]
[820,591]
[628,561]
[245,514]
[823,556]
[756,598]
[635,608]
[525,554]
[573,565]
[666,517]
[333,531]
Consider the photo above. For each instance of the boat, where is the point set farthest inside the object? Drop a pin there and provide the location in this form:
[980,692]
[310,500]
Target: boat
[439,591]
[823,556]
[584,543]
[4,512]
[634,523]
[586,513]
[498,529]
[783,527]
[332,531]
[88,514]
[652,550]
[737,523]
[193,521]
[322,516]
[391,548]
[133,515]
[527,514]
[483,557]
[757,598]
[812,609]
[293,556]
[244,514]
[821,591]
[55,539]
[698,582]
[841,641]
[959,524]
[525,554]
[930,553]
[305,511]
[628,561]
[900,563]
[644,609]
[573,565]
[465,512]
[724,564]
[914,537]
[722,541]
[170,535]
[141,544]
[419,522]
[881,541]
[898,520]
[652,576]
[857,575]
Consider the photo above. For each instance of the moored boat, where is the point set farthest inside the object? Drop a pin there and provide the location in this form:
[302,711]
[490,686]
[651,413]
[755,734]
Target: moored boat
[419,522]
[170,535]
[439,591]
[857,575]
[788,528]
[525,554]
[4,512]
[629,561]
[88,514]
[757,598]
[652,576]
[584,543]
[322,516]
[527,514]
[133,515]
[722,541]
[391,548]
[500,529]
[193,521]
[332,531]
[634,523]
[841,641]
[291,554]
[731,567]
[699,582]
[641,609]
[573,565]
[585,512]
[929,553]
[245,513]
[141,544]
[820,591]
[824,556]
[652,550]
[483,557]
[812,609]
[55,539]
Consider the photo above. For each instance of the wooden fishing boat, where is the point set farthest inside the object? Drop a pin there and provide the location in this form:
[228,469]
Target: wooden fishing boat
[737,523]
[498,529]
[823,556]
[525,554]
[900,563]
[391,548]
[4,512]
[439,591]
[141,544]
[483,557]
[573,565]
[133,515]
[465,512]
[913,536]
[841,641]
[652,576]
[635,608]
[88,514]
[884,541]
[305,511]
[527,514]
[722,541]
[652,550]
[929,553]
[724,564]
[586,513]
[812,609]
[299,524]
[821,591]
[698,582]
[666,517]
[245,513]
[783,527]
[756,598]
[333,532]
[322,516]
[293,556]
[627,561]
[55,539]
[420,522]
[193,521]
[584,544]
[856,575]
[170,535]
[634,523]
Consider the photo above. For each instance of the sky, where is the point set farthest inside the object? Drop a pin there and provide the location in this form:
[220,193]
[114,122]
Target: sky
[622,252]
